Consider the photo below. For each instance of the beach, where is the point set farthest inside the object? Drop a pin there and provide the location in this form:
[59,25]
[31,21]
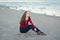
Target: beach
[9,25]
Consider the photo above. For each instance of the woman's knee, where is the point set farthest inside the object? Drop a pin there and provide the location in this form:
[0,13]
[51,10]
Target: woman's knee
[29,25]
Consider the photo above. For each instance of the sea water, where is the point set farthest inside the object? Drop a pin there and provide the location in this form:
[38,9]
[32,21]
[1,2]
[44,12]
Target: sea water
[47,8]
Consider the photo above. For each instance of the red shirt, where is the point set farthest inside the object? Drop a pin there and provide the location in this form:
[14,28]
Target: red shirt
[24,23]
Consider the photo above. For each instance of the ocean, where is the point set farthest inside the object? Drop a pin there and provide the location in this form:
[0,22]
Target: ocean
[48,8]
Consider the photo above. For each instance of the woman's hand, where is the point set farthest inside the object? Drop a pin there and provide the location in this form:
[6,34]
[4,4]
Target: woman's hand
[35,29]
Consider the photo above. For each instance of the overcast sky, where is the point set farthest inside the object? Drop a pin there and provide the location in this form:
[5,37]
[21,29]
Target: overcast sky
[29,0]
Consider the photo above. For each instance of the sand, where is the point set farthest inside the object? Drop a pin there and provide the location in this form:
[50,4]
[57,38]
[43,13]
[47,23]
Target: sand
[9,26]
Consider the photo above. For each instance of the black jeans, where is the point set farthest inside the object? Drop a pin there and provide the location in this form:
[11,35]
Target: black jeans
[25,30]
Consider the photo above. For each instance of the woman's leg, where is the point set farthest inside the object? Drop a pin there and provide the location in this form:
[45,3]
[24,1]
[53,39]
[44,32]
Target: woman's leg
[36,30]
[26,29]
[30,27]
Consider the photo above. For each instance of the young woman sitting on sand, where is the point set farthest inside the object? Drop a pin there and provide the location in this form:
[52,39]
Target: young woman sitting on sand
[26,24]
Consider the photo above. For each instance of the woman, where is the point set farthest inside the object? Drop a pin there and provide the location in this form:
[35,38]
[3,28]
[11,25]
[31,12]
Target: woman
[26,24]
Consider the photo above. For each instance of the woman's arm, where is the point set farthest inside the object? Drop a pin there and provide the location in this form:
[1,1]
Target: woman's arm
[31,22]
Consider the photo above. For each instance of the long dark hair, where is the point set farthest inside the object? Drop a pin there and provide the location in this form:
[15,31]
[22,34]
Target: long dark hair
[23,17]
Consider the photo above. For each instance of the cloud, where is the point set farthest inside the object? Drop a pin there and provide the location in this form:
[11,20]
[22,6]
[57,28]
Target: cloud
[22,0]
[9,0]
[57,1]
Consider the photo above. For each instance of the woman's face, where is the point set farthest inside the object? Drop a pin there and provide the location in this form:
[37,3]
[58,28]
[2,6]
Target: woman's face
[27,14]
